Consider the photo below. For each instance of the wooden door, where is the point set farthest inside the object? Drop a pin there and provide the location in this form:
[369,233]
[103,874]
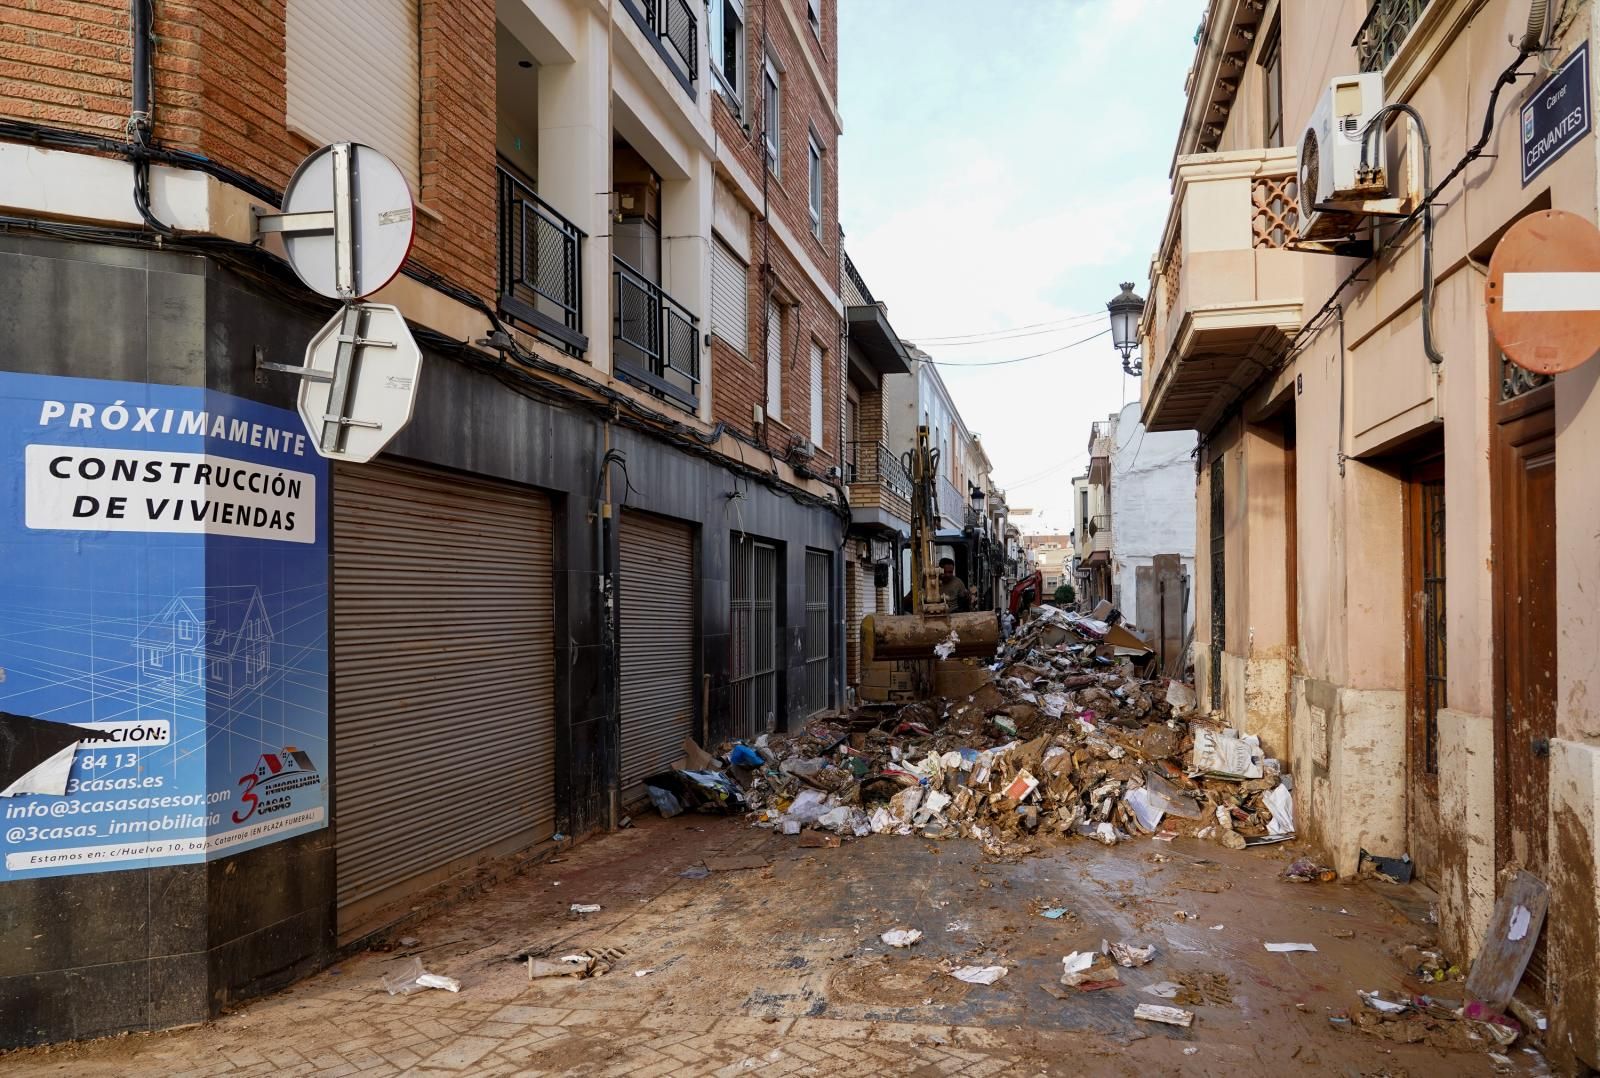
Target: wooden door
[1525,594]
[1425,658]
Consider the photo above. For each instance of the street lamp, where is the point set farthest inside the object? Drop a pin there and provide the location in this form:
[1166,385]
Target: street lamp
[1126,309]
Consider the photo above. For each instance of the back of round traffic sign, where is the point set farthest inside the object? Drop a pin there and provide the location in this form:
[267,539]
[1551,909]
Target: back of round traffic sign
[382,223]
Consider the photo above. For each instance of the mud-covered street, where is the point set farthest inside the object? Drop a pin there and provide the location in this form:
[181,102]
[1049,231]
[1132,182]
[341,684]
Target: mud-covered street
[781,969]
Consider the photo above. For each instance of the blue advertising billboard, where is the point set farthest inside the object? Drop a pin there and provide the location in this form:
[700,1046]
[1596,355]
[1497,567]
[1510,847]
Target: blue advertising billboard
[163,625]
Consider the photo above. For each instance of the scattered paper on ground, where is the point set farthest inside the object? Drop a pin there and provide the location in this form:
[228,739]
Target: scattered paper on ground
[978,974]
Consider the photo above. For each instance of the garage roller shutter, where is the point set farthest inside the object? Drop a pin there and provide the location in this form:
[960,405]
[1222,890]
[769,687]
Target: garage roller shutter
[444,677]
[657,616]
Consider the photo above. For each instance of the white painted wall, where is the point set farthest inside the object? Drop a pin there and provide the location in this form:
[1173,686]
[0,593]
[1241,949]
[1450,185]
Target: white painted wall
[1152,502]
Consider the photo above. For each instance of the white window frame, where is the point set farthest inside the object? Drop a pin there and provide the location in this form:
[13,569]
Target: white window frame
[814,17]
[730,83]
[814,178]
[772,113]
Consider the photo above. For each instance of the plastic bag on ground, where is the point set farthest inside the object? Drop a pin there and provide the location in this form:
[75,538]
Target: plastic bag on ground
[411,977]
[1281,802]
[978,974]
[665,801]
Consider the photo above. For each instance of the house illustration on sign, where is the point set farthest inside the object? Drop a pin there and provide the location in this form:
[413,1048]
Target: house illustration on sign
[290,761]
[218,638]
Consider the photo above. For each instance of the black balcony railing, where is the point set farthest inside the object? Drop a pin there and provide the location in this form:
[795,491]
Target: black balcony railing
[676,31]
[871,462]
[1386,26]
[656,339]
[541,266]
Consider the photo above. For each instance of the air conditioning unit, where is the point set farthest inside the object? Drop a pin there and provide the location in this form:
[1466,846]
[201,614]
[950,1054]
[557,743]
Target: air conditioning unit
[1332,181]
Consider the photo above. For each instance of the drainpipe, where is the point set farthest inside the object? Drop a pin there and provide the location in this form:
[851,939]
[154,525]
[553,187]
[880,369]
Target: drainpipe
[142,18]
[610,629]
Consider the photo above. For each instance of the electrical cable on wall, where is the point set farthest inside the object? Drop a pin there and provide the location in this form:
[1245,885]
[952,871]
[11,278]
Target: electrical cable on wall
[1513,71]
[1434,355]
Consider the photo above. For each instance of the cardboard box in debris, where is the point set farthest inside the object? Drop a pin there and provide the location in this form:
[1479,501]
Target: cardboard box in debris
[1060,735]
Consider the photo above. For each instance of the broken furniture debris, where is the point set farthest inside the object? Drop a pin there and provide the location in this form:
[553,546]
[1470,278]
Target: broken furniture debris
[1059,735]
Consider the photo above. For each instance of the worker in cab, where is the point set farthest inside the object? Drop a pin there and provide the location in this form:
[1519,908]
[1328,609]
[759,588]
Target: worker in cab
[952,588]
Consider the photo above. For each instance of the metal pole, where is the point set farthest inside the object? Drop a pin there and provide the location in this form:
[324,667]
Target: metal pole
[344,221]
[333,420]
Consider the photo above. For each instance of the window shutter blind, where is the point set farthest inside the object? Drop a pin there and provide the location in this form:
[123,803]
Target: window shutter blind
[353,74]
[774,360]
[816,394]
[729,298]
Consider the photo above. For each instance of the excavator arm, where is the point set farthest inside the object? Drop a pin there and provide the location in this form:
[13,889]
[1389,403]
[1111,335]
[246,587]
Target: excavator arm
[931,622]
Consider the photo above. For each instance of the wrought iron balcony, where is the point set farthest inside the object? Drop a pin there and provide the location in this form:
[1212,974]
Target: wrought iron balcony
[872,462]
[1387,24]
[676,31]
[656,339]
[1225,290]
[541,266]
[952,503]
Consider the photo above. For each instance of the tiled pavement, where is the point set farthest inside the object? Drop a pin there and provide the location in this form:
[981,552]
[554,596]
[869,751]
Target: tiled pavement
[781,971]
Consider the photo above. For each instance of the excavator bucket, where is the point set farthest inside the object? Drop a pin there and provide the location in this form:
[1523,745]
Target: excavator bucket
[915,636]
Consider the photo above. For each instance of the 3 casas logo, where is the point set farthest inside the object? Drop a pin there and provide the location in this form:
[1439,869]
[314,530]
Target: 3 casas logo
[276,773]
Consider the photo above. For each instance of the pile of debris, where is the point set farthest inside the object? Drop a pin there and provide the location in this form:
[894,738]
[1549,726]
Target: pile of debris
[1061,735]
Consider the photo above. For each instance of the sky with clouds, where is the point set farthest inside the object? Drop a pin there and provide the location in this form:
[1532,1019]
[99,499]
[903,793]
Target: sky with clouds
[1005,164]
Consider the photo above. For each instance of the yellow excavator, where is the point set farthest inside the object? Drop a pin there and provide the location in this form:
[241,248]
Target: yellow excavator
[932,623]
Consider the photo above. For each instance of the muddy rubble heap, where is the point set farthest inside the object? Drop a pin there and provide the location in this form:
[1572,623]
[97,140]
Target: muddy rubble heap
[1060,736]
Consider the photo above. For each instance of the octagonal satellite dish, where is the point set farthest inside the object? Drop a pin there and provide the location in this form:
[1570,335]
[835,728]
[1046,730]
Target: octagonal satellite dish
[347,221]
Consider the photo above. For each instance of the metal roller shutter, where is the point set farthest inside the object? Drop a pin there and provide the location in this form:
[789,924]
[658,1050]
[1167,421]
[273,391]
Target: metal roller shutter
[657,618]
[862,598]
[444,677]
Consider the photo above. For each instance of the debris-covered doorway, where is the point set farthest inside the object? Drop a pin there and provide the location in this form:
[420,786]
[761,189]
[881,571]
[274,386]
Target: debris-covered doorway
[1426,657]
[1524,491]
[754,618]
[819,630]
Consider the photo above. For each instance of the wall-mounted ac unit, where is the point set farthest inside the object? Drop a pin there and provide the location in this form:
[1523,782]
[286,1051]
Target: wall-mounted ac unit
[1332,181]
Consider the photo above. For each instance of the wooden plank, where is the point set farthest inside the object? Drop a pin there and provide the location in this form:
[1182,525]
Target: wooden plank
[1513,930]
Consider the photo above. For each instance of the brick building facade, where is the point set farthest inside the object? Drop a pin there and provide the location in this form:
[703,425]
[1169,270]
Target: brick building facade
[585,441]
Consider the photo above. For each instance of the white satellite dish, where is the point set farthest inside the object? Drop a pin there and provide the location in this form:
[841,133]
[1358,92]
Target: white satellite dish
[347,221]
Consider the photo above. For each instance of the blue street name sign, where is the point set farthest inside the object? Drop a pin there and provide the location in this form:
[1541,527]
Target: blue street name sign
[1556,117]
